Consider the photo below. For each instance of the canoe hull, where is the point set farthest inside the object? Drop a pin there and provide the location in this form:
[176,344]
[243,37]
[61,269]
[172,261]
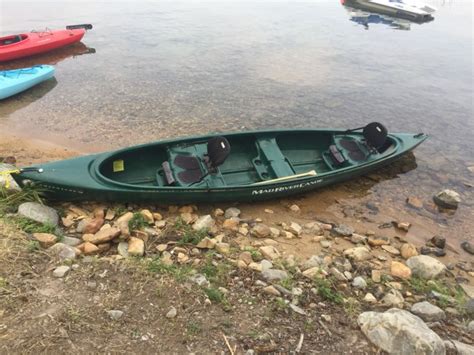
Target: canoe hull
[16,81]
[39,42]
[90,186]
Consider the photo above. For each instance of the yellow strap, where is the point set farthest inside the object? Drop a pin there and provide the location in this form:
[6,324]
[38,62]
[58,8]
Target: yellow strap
[9,172]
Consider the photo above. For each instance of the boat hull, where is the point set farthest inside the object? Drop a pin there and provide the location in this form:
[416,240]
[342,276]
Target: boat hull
[16,81]
[34,43]
[405,11]
[80,179]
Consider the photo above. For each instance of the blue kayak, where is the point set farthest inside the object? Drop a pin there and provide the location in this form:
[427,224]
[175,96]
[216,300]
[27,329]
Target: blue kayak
[15,81]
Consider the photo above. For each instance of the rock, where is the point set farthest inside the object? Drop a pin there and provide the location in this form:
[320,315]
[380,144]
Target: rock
[391,249]
[325,243]
[376,241]
[204,222]
[148,216]
[399,332]
[67,222]
[45,240]
[89,249]
[359,282]
[376,275]
[200,280]
[61,271]
[314,261]
[274,274]
[270,252]
[265,264]
[171,313]
[468,247]
[223,248]
[425,266]
[312,272]
[136,246]
[270,290]
[231,223]
[447,199]
[434,251]
[261,231]
[370,298]
[62,251]
[92,226]
[393,298]
[414,202]
[166,259]
[122,224]
[314,227]
[470,326]
[358,253]
[218,212]
[73,242]
[295,208]
[438,241]
[358,239]
[206,243]
[102,236]
[232,212]
[295,228]
[104,247]
[115,314]
[469,306]
[186,209]
[456,347]
[255,267]
[122,249]
[400,270]
[343,230]
[297,309]
[468,289]
[428,312]
[110,215]
[39,213]
[408,250]
[404,226]
[246,256]
[337,274]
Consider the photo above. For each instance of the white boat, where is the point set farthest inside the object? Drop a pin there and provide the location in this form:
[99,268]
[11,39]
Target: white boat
[406,9]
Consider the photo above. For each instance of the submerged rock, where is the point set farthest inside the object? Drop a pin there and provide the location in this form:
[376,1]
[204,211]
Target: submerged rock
[39,213]
[468,246]
[399,332]
[447,199]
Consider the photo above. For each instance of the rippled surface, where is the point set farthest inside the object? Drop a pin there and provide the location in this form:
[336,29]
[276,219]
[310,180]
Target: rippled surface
[164,70]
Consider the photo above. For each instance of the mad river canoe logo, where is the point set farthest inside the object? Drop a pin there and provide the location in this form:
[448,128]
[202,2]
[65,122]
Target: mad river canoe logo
[286,188]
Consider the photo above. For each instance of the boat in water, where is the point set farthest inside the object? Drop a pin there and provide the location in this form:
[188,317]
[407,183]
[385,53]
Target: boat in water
[403,9]
[15,81]
[37,42]
[247,166]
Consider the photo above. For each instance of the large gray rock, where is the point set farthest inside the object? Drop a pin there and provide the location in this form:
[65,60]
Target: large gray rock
[425,266]
[456,347]
[447,199]
[428,312]
[39,213]
[204,222]
[232,212]
[274,274]
[62,251]
[399,332]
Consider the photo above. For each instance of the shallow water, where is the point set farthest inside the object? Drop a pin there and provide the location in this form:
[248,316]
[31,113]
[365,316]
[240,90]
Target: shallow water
[164,70]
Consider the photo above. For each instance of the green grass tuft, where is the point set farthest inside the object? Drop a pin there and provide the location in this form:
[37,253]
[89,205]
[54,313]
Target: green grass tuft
[187,234]
[327,290]
[137,222]
[180,273]
[29,226]
[9,201]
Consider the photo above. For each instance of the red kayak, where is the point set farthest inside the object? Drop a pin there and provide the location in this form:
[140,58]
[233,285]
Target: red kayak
[27,44]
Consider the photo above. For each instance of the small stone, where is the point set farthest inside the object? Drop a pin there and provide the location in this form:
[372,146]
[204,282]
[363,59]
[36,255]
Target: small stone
[375,241]
[200,280]
[343,230]
[312,272]
[326,317]
[110,215]
[295,228]
[468,247]
[148,216]
[408,250]
[391,249]
[39,213]
[261,231]
[73,242]
[62,251]
[470,326]
[232,212]
[61,271]
[434,251]
[337,274]
[274,274]
[218,212]
[358,253]
[246,256]
[255,267]
[425,266]
[231,223]
[45,240]
[204,222]
[393,298]
[171,313]
[468,289]
[267,210]
[428,312]
[358,239]
[295,208]
[136,246]
[438,241]
[370,298]
[115,314]
[376,276]
[223,248]
[270,252]
[359,282]
[206,243]
[414,202]
[271,291]
[67,222]
[166,259]
[161,247]
[122,249]
[447,199]
[102,236]
[325,243]
[404,226]
[89,248]
[400,270]
[297,309]
[92,226]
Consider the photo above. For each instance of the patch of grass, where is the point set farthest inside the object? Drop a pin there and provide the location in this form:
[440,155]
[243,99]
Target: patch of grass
[327,290]
[137,222]
[180,273]
[214,294]
[193,328]
[256,255]
[9,201]
[279,304]
[352,307]
[32,246]
[217,274]
[288,283]
[29,226]
[187,234]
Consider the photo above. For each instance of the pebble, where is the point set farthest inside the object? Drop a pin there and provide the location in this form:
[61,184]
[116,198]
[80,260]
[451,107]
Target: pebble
[393,298]
[325,243]
[438,241]
[358,239]
[391,249]
[136,246]
[270,252]
[45,240]
[73,242]
[115,314]
[343,230]
[408,250]
[232,212]
[468,247]
[297,309]
[207,243]
[62,251]
[359,282]
[295,208]
[358,253]
[61,271]
[414,202]
[370,298]
[447,199]
[261,231]
[400,270]
[274,275]
[204,222]
[271,291]
[171,313]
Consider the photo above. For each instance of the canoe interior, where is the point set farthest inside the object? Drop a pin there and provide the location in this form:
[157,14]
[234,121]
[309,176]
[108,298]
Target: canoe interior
[254,158]
[5,41]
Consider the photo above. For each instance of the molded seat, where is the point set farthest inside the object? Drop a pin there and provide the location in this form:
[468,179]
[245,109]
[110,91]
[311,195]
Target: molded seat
[270,153]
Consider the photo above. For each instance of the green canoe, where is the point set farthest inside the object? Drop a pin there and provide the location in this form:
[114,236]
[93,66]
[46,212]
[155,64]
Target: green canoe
[246,166]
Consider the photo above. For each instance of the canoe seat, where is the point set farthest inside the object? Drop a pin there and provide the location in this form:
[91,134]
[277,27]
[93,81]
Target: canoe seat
[271,163]
[354,149]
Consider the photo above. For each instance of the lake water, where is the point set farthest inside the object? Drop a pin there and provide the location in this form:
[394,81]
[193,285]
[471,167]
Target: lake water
[171,69]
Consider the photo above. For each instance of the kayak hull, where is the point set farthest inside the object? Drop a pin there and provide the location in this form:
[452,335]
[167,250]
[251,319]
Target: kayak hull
[394,9]
[87,177]
[34,43]
[16,81]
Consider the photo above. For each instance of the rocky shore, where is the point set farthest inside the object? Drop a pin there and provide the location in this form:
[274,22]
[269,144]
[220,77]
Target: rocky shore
[353,290]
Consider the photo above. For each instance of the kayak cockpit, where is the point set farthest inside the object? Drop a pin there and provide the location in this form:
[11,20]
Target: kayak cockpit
[5,41]
[243,159]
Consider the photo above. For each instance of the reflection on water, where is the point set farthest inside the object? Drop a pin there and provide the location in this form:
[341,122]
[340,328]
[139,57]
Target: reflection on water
[170,69]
